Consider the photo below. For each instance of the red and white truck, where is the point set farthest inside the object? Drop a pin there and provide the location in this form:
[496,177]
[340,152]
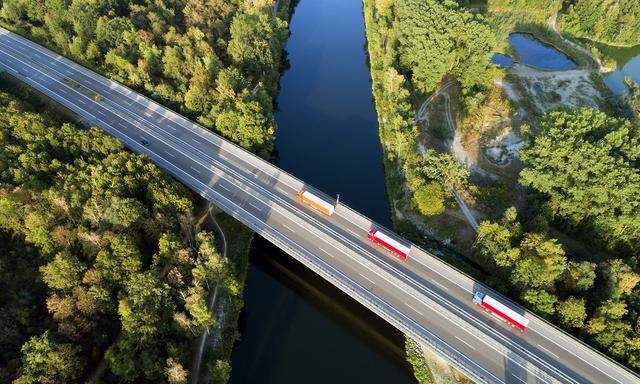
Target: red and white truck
[389,243]
[315,201]
[500,310]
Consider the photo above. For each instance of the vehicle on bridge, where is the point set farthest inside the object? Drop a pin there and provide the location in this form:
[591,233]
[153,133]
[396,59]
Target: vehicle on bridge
[315,201]
[500,310]
[389,243]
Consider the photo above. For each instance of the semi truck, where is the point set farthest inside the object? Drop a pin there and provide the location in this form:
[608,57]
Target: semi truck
[389,243]
[315,201]
[501,311]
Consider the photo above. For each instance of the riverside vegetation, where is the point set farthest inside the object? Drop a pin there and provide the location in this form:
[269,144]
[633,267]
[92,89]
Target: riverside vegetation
[104,274]
[215,61]
[611,22]
[100,256]
[581,168]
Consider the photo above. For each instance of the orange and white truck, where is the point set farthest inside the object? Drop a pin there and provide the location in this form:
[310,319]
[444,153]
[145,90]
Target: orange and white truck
[315,201]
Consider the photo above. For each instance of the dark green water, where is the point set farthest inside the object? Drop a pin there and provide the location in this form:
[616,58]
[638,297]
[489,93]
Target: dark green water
[295,327]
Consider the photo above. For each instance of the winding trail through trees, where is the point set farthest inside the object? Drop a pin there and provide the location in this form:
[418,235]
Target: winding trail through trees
[554,26]
[422,115]
[197,361]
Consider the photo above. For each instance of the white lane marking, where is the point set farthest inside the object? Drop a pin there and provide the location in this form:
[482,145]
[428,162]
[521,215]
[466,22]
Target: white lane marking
[519,379]
[325,251]
[170,154]
[195,169]
[577,355]
[465,343]
[223,187]
[288,227]
[415,310]
[353,233]
[368,279]
[147,113]
[63,91]
[122,125]
[439,285]
[417,259]
[255,206]
[195,141]
[99,112]
[82,102]
[548,351]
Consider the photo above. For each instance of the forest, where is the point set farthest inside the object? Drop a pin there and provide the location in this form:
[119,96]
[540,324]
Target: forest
[581,168]
[102,263]
[610,22]
[214,61]
[104,274]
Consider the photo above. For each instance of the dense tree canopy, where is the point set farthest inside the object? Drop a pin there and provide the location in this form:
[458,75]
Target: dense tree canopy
[437,38]
[587,164]
[111,236]
[536,267]
[614,22]
[174,51]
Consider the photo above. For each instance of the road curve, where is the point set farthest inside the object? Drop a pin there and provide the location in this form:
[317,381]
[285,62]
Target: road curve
[423,297]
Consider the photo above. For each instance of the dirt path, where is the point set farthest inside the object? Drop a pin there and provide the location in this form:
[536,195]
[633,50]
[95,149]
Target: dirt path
[455,145]
[197,361]
[554,26]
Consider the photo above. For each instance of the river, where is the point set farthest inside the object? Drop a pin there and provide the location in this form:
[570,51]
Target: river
[295,327]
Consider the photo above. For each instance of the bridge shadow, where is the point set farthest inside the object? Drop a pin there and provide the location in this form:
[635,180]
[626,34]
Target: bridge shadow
[284,298]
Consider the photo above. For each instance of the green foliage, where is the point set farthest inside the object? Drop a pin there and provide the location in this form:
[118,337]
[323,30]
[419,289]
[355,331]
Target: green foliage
[175,373]
[429,199]
[442,169]
[46,361]
[615,22]
[63,272]
[104,228]
[540,301]
[537,268]
[619,279]
[572,312]
[579,276]
[173,51]
[608,328]
[542,261]
[420,368]
[585,162]
[21,301]
[437,38]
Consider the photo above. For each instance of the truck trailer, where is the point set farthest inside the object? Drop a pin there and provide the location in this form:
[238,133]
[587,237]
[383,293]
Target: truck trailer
[389,243]
[501,311]
[316,202]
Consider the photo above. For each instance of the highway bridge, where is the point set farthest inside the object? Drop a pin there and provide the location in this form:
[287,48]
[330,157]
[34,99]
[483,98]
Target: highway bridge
[423,297]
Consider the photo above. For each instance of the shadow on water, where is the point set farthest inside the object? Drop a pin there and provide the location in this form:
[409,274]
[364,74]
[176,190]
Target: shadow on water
[299,328]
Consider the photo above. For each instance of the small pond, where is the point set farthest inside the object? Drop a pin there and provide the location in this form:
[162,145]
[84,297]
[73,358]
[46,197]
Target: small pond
[501,60]
[532,51]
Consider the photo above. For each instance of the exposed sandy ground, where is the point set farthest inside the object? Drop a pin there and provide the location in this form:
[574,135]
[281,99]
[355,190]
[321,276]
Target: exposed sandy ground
[552,89]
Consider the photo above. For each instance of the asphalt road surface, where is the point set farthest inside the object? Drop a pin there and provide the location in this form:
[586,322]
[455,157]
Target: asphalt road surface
[422,296]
